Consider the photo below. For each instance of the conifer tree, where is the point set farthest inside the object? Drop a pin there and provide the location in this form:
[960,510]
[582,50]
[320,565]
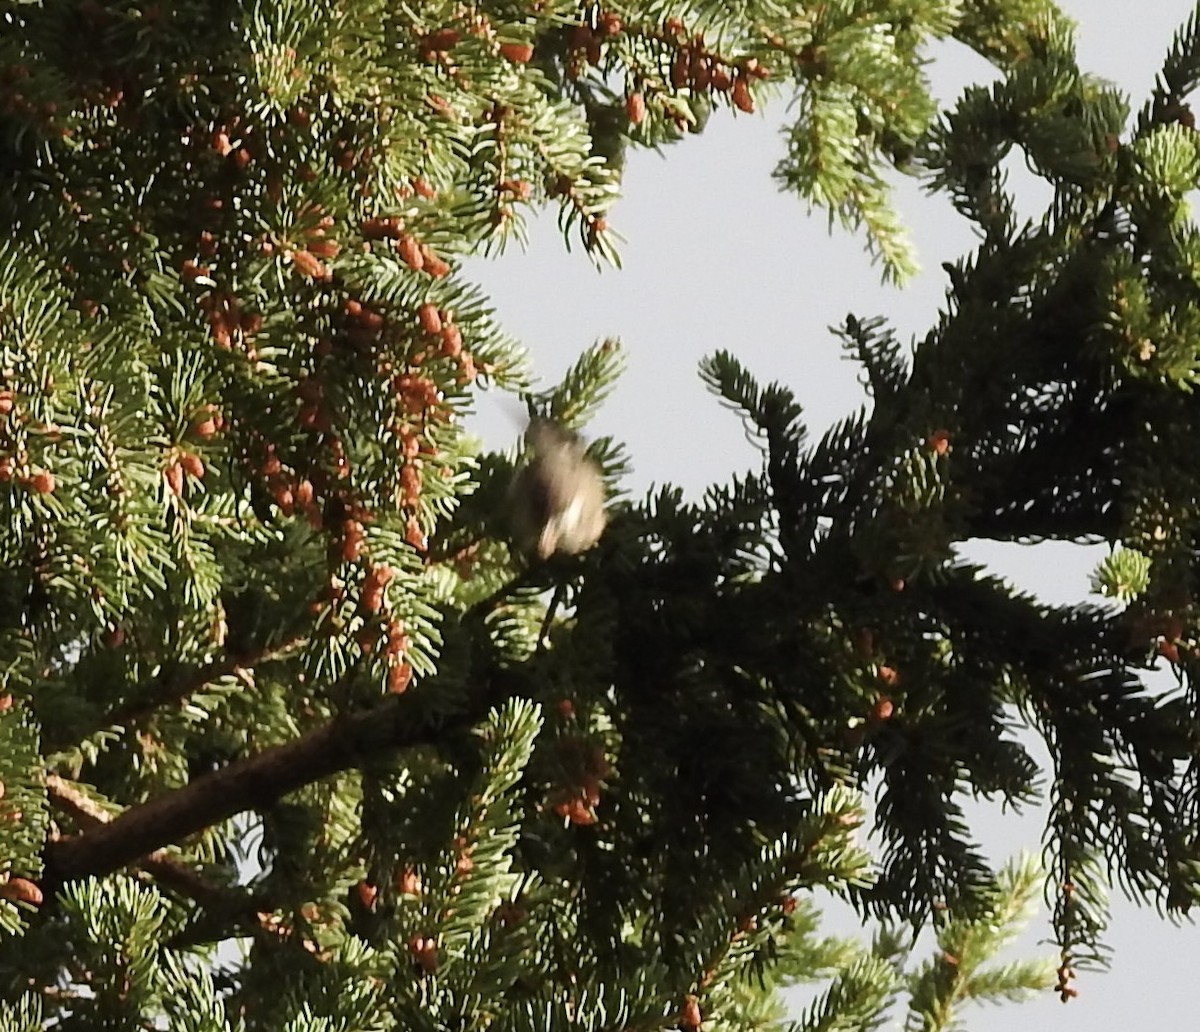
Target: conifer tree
[277,671]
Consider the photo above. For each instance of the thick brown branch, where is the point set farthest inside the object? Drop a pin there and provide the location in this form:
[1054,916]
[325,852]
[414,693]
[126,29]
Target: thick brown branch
[165,869]
[252,783]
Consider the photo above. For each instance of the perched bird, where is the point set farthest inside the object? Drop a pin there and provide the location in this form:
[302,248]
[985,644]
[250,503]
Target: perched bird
[556,500]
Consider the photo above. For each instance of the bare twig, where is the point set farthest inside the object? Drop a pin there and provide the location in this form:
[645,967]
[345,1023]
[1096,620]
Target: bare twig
[180,685]
[174,690]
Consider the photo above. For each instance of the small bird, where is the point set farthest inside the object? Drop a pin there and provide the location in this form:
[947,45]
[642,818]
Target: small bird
[557,498]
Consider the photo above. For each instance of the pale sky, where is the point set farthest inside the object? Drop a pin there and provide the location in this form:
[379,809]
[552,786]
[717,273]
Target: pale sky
[715,257]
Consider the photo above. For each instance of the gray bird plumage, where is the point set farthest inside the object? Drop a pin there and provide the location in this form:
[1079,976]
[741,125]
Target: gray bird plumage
[557,498]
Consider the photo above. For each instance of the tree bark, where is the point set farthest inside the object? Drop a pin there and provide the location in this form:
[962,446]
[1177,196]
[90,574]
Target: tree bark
[247,784]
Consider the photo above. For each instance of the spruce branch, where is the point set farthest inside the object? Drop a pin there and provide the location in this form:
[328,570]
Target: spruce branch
[175,687]
[173,690]
[248,784]
[164,868]
[1175,81]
